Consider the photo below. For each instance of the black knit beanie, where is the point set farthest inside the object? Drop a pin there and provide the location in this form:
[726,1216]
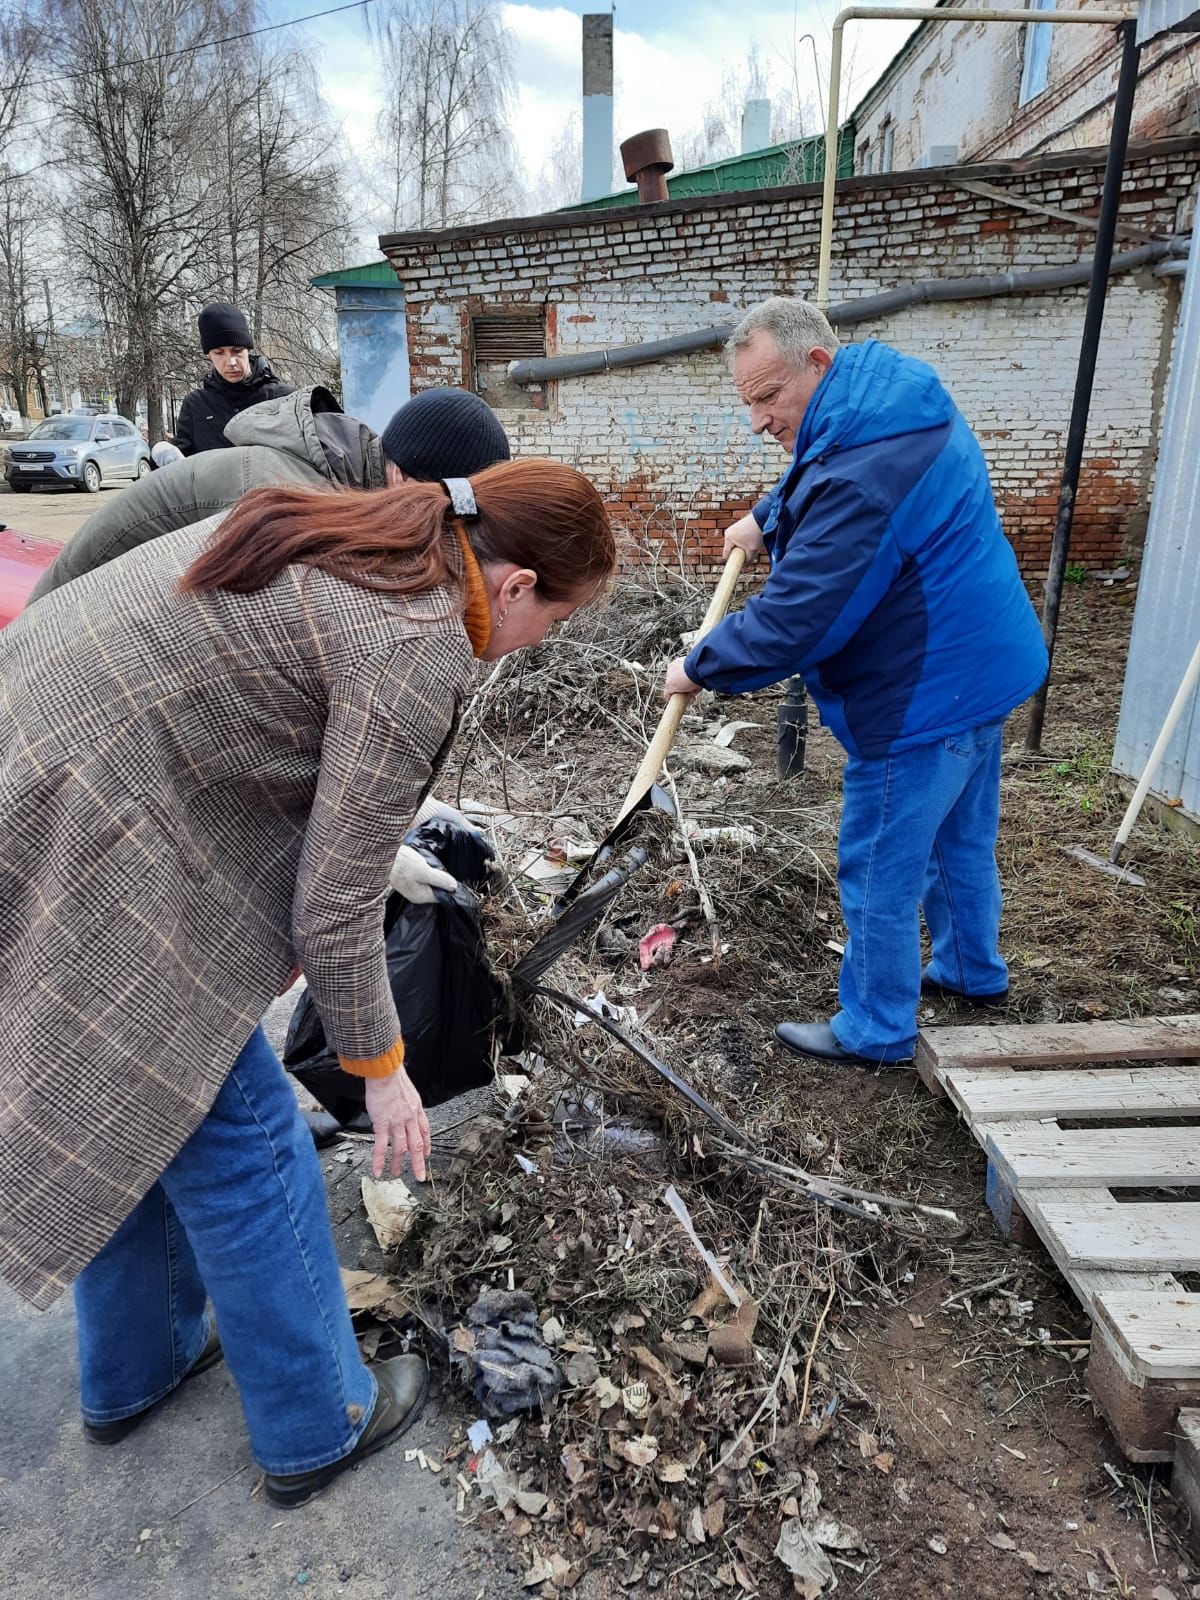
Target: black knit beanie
[445,433]
[222,326]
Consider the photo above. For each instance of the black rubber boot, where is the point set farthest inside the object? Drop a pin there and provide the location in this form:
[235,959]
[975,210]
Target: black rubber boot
[114,1432]
[403,1386]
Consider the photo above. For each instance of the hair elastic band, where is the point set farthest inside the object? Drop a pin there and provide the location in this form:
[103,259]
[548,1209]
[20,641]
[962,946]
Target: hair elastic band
[462,496]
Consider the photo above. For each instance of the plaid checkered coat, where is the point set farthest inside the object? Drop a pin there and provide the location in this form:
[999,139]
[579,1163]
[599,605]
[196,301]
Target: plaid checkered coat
[196,792]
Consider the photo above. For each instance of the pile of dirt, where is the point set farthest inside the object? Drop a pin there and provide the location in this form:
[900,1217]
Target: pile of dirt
[774,1380]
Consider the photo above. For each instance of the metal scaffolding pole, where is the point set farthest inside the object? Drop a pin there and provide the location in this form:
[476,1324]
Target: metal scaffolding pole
[1110,202]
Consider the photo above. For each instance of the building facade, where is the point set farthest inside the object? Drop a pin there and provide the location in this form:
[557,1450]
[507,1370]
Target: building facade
[962,92]
[668,441]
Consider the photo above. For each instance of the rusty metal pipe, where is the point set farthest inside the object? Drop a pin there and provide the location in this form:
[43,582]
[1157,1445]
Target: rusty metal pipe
[647,159]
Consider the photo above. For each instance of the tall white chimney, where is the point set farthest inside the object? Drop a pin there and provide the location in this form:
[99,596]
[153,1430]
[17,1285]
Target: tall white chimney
[597,105]
[756,126]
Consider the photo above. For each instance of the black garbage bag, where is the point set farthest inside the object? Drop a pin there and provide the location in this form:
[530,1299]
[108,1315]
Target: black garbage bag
[451,1005]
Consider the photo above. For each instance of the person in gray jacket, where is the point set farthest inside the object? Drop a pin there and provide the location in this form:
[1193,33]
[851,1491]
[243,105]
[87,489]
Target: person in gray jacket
[300,438]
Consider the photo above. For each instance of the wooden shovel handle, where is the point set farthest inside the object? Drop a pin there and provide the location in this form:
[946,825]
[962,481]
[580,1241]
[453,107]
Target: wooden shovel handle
[669,722]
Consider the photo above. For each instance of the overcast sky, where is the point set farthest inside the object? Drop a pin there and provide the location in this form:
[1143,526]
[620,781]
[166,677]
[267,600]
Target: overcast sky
[669,59]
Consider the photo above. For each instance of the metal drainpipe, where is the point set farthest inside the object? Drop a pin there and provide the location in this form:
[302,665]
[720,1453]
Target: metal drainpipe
[905,14]
[1110,201]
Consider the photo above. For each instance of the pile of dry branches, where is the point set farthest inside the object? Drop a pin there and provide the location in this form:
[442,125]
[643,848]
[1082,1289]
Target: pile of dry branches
[685,1256]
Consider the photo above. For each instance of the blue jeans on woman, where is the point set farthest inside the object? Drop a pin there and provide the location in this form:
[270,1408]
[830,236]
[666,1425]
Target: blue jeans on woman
[239,1215]
[918,834]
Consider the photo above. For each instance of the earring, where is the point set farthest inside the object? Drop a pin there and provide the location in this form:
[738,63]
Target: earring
[500,619]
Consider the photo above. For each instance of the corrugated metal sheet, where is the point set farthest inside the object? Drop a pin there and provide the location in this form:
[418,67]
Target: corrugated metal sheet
[1166,620]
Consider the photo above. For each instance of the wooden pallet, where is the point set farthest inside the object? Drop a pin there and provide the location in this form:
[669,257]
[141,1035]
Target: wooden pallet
[1016,1086]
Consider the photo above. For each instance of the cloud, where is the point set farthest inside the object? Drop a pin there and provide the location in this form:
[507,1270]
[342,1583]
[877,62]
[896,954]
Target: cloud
[668,64]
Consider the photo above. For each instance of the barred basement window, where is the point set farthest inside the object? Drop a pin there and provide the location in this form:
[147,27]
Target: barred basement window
[495,341]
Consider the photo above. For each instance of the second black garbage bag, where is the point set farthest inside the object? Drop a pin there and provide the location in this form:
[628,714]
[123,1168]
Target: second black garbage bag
[452,1007]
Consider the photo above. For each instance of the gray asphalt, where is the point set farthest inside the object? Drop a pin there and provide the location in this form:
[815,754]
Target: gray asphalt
[174,1512]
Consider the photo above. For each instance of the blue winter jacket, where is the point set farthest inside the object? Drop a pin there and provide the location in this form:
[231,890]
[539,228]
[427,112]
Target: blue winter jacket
[892,590]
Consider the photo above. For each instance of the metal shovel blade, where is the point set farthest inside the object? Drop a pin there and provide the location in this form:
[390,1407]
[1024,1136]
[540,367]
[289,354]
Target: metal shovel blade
[793,730]
[577,909]
[1121,874]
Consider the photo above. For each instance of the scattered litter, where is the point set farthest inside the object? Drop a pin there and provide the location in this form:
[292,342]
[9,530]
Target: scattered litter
[655,947]
[495,1481]
[391,1209]
[479,1434]
[725,737]
[938,1546]
[735,833]
[502,1356]
[685,1220]
[514,1084]
[601,1005]
[635,1397]
[545,872]
[811,1569]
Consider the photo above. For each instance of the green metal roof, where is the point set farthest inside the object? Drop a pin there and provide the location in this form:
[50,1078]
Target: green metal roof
[797,161]
[372,275]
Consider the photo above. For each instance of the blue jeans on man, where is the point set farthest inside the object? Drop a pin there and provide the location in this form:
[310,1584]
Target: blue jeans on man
[240,1216]
[918,833]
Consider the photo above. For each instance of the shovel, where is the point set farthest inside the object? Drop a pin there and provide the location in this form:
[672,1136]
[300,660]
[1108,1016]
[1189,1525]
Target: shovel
[792,730]
[574,912]
[1174,716]
[668,723]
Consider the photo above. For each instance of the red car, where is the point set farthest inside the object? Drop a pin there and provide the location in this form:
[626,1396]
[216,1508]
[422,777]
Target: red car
[23,559]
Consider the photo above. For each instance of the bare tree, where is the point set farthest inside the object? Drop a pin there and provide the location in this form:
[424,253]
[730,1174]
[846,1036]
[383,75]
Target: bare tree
[446,146]
[21,322]
[279,213]
[131,102]
[557,184]
[719,133]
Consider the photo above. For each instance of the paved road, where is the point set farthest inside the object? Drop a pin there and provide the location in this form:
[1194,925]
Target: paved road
[52,513]
[73,1516]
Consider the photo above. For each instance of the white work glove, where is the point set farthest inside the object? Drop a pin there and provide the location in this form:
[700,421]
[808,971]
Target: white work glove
[432,810]
[414,878]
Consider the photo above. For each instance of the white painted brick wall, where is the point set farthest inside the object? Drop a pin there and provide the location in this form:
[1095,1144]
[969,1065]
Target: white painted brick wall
[670,442]
[960,85]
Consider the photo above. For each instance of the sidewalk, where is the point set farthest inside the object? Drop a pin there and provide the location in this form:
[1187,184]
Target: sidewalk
[170,1514]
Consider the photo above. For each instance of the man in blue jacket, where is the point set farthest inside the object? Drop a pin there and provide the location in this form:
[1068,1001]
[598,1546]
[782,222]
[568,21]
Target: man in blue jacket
[896,596]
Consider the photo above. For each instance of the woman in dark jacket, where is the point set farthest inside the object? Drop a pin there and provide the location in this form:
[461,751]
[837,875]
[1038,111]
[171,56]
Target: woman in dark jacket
[236,378]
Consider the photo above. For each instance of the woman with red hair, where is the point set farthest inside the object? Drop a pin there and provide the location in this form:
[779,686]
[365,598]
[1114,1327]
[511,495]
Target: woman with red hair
[209,750]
